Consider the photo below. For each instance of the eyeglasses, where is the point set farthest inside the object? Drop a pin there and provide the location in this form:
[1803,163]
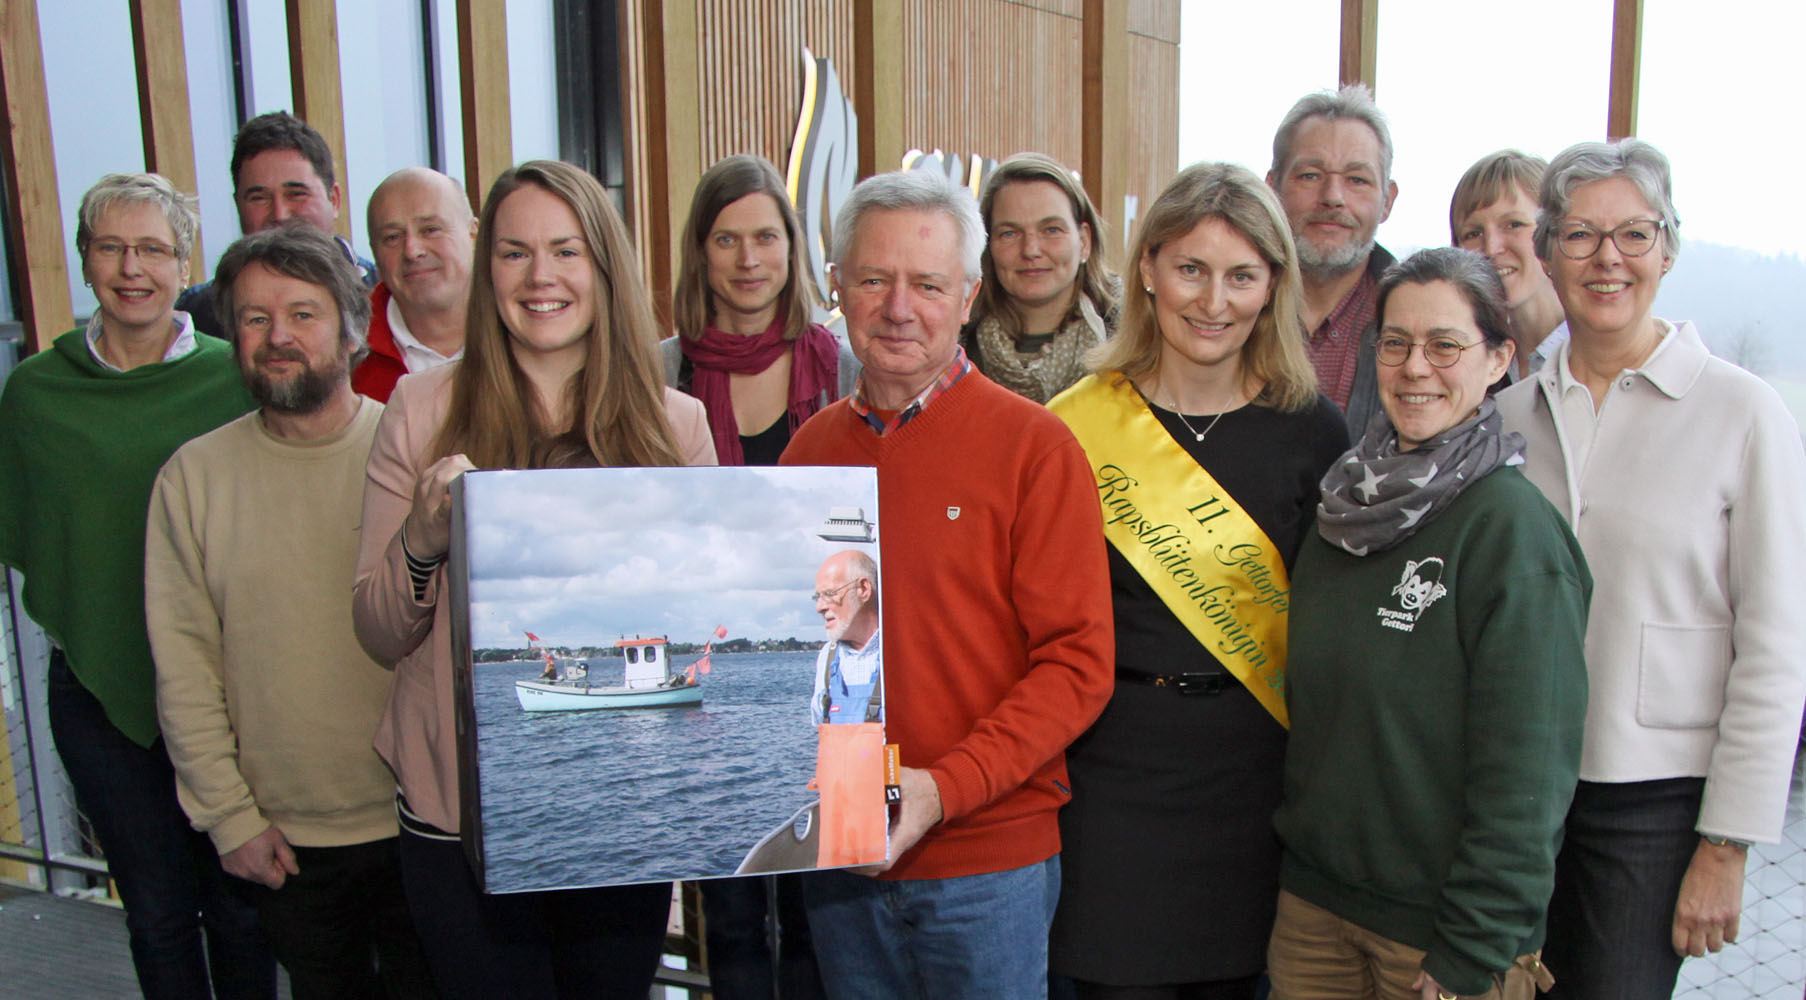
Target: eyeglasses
[1578,241]
[148,252]
[832,593]
[1441,352]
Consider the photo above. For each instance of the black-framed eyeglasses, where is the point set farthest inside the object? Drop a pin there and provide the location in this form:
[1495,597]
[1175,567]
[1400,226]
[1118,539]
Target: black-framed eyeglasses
[832,593]
[150,251]
[1441,352]
[1578,241]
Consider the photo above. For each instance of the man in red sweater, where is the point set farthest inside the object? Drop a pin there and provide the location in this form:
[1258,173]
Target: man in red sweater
[1000,647]
[421,229]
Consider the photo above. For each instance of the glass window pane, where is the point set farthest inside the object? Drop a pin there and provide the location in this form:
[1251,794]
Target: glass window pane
[1459,81]
[1237,79]
[1713,90]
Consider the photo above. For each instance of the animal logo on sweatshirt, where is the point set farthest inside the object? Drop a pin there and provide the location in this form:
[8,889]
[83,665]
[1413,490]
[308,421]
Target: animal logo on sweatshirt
[1419,586]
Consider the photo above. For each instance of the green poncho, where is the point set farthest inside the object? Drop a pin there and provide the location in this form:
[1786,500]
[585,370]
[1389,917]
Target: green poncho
[79,448]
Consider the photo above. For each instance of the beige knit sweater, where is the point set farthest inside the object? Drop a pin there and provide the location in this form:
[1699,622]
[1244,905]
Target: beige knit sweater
[266,700]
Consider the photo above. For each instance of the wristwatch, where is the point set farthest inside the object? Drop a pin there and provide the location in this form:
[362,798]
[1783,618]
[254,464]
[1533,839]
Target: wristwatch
[1742,845]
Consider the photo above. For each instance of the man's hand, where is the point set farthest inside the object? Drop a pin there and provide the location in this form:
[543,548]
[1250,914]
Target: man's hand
[1429,989]
[265,859]
[920,809]
[1706,913]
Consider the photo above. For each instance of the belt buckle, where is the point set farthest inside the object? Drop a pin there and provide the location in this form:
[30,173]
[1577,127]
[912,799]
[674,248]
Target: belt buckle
[1201,683]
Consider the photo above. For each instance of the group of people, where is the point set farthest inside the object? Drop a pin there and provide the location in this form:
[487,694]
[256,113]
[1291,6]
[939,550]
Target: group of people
[1351,626]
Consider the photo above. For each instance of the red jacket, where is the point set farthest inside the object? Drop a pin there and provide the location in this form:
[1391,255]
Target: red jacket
[376,375]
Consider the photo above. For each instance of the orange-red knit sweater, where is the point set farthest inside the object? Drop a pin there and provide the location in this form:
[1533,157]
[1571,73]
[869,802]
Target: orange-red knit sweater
[998,639]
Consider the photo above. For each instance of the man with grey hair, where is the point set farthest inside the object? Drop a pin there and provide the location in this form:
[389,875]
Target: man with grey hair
[421,229]
[1332,170]
[266,700]
[992,538]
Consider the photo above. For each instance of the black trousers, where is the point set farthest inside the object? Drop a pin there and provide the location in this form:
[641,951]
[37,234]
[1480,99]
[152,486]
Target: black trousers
[341,927]
[1626,849]
[587,943]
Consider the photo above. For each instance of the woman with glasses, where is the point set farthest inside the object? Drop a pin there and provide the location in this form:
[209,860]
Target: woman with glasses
[1207,434]
[1493,212]
[84,427]
[1435,682]
[1682,476]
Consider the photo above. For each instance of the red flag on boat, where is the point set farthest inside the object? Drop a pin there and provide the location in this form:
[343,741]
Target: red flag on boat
[701,666]
[532,638]
[721,631]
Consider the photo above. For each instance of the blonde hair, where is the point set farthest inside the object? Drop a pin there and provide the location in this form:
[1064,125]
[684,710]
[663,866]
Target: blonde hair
[723,184]
[617,402]
[1274,353]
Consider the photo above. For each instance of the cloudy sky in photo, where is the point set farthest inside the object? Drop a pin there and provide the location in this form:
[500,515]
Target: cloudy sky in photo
[583,557]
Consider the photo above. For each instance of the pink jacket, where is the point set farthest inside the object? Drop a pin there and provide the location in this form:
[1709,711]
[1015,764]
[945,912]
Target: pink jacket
[418,732]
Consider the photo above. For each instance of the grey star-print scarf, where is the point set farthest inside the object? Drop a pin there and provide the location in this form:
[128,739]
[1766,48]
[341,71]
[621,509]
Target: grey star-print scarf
[1376,496]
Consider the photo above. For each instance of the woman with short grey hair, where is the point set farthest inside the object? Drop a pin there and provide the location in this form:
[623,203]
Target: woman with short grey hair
[1681,475]
[84,427]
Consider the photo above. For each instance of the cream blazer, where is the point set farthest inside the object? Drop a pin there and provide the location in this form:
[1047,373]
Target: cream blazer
[418,732]
[1689,512]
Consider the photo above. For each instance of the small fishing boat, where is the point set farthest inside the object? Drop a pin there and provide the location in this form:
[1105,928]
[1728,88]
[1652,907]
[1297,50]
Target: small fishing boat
[647,682]
[793,846]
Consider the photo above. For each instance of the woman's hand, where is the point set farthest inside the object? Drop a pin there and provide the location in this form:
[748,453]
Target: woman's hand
[428,527]
[1429,989]
[1707,912]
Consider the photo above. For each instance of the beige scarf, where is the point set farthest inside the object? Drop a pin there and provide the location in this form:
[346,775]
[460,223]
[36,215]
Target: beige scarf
[1046,373]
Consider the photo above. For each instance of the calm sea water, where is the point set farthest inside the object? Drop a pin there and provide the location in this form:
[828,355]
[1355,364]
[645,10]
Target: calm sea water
[636,795]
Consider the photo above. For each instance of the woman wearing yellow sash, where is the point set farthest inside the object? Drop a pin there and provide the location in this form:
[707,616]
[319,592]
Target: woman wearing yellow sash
[1207,437]
[1437,682]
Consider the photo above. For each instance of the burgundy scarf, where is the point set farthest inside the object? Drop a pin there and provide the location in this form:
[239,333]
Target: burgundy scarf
[714,356]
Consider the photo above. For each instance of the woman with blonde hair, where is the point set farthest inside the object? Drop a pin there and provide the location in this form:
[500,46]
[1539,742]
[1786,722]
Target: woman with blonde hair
[560,370]
[1047,297]
[747,344]
[1208,437]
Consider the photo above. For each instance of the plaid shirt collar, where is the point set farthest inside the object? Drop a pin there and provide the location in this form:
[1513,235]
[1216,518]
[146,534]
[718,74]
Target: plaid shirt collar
[954,371]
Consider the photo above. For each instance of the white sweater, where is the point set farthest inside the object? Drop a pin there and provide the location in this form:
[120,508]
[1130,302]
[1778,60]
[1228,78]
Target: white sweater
[1688,506]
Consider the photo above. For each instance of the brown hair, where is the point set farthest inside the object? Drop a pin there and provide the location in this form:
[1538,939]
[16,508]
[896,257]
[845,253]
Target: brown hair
[1094,278]
[617,397]
[723,184]
[1274,353]
[1490,178]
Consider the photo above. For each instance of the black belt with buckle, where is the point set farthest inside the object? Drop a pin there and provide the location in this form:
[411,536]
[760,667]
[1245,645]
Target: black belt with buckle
[1206,683]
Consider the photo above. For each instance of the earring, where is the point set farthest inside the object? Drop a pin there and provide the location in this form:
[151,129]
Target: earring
[1148,289]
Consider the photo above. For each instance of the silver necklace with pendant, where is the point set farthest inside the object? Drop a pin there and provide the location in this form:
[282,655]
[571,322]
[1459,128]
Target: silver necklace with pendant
[1199,434]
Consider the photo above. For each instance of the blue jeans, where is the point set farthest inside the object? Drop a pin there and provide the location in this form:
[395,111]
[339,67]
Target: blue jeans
[972,936]
[1626,848]
[169,875]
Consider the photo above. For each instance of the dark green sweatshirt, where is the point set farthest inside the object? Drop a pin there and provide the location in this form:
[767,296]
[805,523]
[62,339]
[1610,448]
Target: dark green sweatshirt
[1437,693]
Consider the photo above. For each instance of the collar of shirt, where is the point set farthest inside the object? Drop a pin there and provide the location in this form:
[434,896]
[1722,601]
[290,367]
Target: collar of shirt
[1352,314]
[178,347]
[859,663]
[954,371]
[416,356]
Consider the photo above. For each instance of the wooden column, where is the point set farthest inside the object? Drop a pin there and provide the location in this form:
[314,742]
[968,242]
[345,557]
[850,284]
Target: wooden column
[313,68]
[1104,92]
[878,84]
[162,64]
[1360,30]
[1627,60]
[34,213]
[483,94]
[673,137]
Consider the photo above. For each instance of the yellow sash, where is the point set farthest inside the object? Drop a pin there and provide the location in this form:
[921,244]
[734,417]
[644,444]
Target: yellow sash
[1204,556]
